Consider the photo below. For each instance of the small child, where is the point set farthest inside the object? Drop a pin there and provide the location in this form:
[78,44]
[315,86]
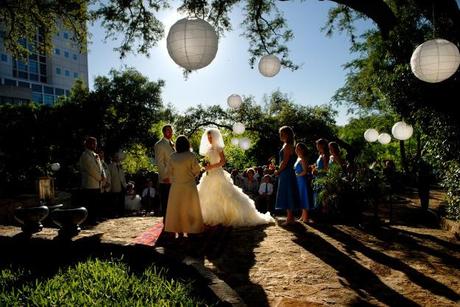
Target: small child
[132,200]
[148,197]
[265,194]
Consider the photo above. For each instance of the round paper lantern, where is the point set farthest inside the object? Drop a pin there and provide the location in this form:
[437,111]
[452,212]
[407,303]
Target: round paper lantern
[371,135]
[239,128]
[269,65]
[192,43]
[245,143]
[55,167]
[234,101]
[384,138]
[435,60]
[402,131]
[235,141]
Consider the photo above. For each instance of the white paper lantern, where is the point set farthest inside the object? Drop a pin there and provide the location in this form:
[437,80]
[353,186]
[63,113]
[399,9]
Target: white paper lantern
[238,128]
[371,135]
[192,43]
[235,141]
[55,167]
[402,131]
[269,65]
[245,143]
[234,101]
[435,60]
[384,138]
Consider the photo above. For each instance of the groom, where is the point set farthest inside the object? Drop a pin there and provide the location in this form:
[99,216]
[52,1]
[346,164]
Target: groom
[163,150]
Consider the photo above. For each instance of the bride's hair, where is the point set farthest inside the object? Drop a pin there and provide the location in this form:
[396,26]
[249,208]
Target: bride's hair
[217,141]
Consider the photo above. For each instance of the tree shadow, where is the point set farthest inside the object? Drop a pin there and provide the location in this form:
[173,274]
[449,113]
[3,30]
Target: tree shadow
[231,252]
[362,280]
[450,245]
[415,276]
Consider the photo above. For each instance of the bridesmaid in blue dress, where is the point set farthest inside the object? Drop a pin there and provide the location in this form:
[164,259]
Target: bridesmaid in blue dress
[302,172]
[321,167]
[287,195]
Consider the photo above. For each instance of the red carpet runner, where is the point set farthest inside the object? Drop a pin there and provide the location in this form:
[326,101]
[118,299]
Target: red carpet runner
[150,236]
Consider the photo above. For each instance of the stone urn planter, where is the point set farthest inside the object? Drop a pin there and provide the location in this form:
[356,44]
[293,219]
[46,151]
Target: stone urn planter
[69,220]
[31,218]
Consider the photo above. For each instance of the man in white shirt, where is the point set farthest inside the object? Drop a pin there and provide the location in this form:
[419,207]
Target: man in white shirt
[163,150]
[117,184]
[92,176]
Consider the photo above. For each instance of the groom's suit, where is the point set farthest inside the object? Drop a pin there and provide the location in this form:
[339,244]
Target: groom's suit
[163,150]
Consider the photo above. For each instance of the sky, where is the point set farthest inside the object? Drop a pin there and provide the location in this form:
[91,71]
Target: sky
[321,59]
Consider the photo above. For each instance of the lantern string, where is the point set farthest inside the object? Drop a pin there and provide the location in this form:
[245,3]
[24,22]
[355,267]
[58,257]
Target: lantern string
[433,17]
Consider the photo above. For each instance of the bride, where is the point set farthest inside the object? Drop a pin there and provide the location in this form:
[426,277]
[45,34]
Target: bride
[221,201]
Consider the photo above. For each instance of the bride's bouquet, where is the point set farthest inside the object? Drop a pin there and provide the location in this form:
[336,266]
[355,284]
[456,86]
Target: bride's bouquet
[204,162]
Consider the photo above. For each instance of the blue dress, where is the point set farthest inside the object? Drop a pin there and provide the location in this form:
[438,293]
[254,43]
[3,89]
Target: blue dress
[287,195]
[302,186]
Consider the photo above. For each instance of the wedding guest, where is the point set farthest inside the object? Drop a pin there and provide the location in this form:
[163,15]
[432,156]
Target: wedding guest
[118,184]
[319,169]
[92,176]
[237,179]
[184,212]
[265,199]
[336,156]
[163,150]
[302,170]
[106,196]
[251,185]
[132,200]
[148,197]
[287,195]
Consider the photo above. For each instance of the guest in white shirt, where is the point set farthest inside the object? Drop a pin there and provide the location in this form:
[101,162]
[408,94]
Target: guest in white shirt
[265,199]
[148,197]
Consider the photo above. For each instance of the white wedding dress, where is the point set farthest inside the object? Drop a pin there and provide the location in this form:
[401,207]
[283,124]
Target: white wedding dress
[224,203]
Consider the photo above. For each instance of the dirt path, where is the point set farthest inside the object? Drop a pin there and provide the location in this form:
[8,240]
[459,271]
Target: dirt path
[404,263]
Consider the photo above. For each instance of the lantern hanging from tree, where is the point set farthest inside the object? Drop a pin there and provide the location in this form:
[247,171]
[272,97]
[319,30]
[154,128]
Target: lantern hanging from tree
[269,65]
[245,143]
[234,101]
[371,135]
[402,131]
[235,141]
[192,43]
[55,167]
[435,60]
[239,128]
[384,138]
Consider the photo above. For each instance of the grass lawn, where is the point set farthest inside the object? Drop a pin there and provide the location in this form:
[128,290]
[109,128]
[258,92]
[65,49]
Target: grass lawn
[95,282]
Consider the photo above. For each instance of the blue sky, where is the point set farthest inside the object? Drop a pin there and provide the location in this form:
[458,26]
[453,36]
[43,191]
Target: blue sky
[314,83]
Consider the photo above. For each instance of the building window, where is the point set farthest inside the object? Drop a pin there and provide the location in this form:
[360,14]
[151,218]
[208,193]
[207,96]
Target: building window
[74,56]
[75,74]
[43,79]
[22,66]
[66,35]
[36,88]
[57,51]
[4,57]
[58,70]
[49,99]
[10,82]
[33,67]
[24,84]
[42,59]
[67,73]
[66,54]
[33,77]
[48,90]
[24,75]
[59,91]
[37,97]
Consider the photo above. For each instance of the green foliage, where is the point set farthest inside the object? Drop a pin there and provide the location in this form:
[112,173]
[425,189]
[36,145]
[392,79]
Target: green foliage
[120,112]
[138,158]
[99,283]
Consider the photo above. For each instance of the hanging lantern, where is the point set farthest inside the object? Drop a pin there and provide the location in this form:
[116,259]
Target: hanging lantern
[435,60]
[235,141]
[384,138]
[192,43]
[239,128]
[371,135]
[55,167]
[269,65]
[245,143]
[402,131]
[234,101]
